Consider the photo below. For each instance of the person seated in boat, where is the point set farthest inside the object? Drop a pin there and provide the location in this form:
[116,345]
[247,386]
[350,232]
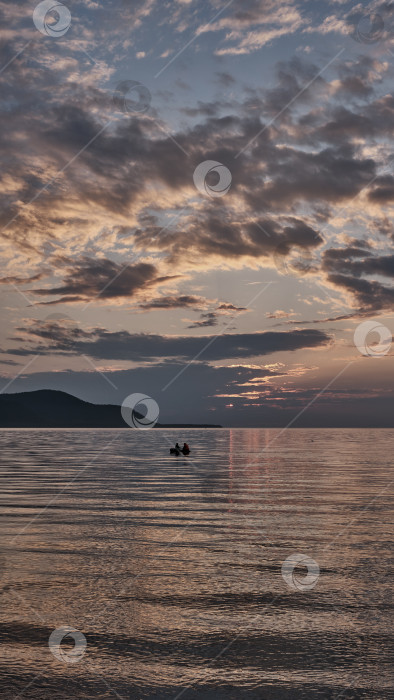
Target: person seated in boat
[185,447]
[177,447]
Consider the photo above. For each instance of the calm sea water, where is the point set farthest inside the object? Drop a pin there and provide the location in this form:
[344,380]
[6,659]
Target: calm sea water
[171,567]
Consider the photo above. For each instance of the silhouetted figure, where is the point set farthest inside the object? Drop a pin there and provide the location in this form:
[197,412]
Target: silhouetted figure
[177,450]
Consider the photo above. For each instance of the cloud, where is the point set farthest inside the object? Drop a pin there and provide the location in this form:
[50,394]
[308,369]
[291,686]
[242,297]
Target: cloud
[358,260]
[229,308]
[134,186]
[211,318]
[207,320]
[198,397]
[225,79]
[382,190]
[182,301]
[45,338]
[23,280]
[251,24]
[131,191]
[258,395]
[331,175]
[348,268]
[279,314]
[102,279]
[368,295]
[227,237]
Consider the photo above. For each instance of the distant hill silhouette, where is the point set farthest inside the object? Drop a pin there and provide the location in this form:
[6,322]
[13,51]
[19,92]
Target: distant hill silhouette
[47,408]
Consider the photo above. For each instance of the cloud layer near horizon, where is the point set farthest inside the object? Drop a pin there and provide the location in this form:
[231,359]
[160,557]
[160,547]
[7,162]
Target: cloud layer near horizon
[142,347]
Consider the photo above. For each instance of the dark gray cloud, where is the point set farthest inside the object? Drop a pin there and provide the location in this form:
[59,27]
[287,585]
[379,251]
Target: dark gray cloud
[369,295]
[228,308]
[341,123]
[359,78]
[382,190]
[358,261]
[331,175]
[88,278]
[24,280]
[183,301]
[224,236]
[291,78]
[211,318]
[225,79]
[54,338]
[207,109]
[207,320]
[349,267]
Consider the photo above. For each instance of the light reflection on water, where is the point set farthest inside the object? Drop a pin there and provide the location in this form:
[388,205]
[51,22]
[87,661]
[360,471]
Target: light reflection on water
[171,566]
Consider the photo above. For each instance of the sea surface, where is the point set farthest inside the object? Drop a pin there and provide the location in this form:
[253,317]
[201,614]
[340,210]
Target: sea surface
[170,568]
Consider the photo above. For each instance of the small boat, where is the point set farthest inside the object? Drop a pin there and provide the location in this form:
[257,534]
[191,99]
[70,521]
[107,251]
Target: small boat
[175,451]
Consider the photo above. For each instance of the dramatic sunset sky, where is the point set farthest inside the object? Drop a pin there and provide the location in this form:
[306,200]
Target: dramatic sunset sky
[121,265]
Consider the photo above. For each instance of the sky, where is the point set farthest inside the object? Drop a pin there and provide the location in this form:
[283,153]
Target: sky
[196,202]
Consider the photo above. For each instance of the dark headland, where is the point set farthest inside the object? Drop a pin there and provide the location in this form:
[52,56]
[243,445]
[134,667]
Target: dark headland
[47,408]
